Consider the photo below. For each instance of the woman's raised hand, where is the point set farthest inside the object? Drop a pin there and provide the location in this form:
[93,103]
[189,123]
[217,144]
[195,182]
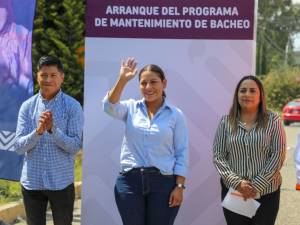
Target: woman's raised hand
[128,69]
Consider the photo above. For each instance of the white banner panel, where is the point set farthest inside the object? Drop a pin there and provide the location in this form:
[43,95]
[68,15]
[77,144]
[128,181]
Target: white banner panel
[202,72]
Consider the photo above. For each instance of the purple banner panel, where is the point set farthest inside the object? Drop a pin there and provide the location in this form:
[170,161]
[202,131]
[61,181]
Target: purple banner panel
[16,85]
[169,19]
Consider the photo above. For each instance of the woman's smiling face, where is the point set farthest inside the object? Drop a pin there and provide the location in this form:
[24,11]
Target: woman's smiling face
[249,95]
[152,86]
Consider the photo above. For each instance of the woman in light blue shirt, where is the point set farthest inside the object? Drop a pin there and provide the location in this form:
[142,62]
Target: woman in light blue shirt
[154,152]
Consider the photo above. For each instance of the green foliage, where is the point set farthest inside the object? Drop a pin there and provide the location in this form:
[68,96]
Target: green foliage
[281,86]
[9,191]
[59,31]
[277,21]
[78,167]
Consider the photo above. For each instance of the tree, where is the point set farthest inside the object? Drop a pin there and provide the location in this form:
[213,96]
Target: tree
[59,31]
[277,21]
[281,86]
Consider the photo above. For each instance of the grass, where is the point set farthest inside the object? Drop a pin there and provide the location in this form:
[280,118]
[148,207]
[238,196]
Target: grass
[78,165]
[10,191]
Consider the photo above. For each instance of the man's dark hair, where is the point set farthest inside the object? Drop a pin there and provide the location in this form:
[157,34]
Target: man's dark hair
[49,61]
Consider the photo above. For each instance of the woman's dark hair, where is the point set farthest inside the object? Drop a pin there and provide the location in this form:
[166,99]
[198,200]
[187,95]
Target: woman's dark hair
[234,112]
[156,69]
[9,17]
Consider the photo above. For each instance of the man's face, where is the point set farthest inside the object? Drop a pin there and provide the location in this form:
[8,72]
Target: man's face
[49,79]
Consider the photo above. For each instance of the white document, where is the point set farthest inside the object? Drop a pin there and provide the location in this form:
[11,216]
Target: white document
[239,205]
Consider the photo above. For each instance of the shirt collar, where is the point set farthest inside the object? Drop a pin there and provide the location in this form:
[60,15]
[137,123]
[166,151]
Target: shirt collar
[243,125]
[166,104]
[55,98]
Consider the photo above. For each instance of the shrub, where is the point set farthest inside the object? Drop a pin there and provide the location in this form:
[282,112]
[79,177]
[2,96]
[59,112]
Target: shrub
[282,86]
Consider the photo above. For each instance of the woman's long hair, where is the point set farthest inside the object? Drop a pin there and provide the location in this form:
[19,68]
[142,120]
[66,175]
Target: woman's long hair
[235,109]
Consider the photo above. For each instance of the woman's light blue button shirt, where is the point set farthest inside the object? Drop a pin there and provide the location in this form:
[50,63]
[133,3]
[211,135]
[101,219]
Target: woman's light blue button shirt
[161,142]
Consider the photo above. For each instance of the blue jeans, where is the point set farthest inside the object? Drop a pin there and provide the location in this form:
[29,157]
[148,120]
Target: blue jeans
[142,196]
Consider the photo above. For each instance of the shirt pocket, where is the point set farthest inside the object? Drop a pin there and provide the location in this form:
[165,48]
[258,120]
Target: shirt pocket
[61,121]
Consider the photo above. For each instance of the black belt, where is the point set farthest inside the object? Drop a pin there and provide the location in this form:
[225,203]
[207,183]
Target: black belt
[151,169]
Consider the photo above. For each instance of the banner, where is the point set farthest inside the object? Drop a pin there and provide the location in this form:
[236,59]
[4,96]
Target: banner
[204,47]
[16,85]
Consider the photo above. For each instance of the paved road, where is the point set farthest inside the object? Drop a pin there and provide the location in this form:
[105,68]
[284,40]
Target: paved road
[289,213]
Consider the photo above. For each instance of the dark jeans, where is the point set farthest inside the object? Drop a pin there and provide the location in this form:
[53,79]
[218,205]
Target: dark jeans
[142,196]
[265,215]
[61,202]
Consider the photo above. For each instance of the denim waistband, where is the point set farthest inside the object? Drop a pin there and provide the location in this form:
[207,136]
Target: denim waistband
[142,170]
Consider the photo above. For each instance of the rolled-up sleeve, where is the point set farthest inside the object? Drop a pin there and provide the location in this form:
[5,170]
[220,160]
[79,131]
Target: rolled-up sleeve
[181,145]
[117,110]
